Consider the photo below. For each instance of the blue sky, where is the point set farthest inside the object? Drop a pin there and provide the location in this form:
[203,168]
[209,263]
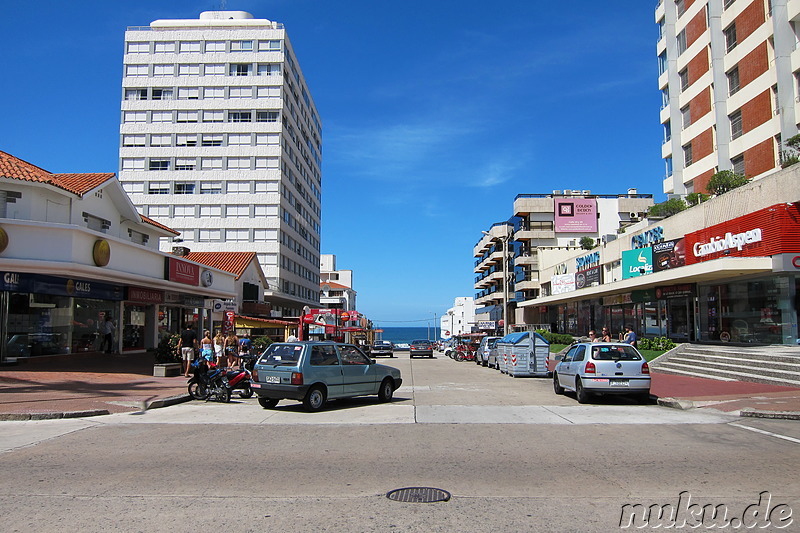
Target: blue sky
[435,114]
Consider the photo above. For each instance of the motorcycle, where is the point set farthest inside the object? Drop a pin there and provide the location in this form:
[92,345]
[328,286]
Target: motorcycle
[210,382]
[463,352]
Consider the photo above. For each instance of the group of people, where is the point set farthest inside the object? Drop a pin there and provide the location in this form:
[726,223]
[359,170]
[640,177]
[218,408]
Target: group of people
[224,350]
[629,336]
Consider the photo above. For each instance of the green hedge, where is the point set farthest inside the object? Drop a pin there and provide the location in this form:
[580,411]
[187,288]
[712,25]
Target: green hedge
[555,338]
[656,343]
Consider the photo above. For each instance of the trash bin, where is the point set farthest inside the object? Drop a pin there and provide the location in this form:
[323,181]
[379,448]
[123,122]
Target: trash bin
[525,354]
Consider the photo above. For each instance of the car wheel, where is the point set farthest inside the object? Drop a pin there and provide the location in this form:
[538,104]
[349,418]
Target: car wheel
[315,399]
[645,398]
[267,403]
[386,390]
[557,388]
[580,392]
[430,356]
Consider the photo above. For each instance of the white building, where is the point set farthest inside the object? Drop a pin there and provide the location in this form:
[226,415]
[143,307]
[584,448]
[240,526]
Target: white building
[73,250]
[460,318]
[336,286]
[220,139]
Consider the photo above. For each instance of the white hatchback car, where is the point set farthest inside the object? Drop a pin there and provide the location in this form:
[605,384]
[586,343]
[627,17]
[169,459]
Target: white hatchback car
[602,368]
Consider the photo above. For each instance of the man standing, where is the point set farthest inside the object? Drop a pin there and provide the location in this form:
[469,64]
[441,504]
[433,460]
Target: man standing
[187,345]
[107,330]
[630,336]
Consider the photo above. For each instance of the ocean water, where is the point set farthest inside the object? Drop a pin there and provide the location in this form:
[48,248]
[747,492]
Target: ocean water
[406,335]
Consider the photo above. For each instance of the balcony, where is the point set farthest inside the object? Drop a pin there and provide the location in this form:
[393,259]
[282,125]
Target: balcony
[534,234]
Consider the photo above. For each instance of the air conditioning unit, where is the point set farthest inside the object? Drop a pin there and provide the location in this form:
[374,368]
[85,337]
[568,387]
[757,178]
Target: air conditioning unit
[567,192]
[556,193]
[586,193]
[634,216]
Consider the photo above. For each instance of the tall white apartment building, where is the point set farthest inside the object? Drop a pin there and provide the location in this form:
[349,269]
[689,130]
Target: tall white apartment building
[220,140]
[728,74]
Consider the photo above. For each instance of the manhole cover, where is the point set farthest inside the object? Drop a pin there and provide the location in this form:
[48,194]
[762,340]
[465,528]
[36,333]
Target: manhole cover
[418,495]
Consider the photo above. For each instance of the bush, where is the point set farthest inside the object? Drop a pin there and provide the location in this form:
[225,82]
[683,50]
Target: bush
[555,338]
[656,343]
[667,209]
[167,349]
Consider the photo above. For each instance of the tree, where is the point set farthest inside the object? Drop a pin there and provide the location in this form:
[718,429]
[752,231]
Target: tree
[694,198]
[667,209]
[724,181]
[587,243]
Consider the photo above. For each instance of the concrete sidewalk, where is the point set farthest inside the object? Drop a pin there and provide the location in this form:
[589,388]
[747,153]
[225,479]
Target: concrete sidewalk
[92,384]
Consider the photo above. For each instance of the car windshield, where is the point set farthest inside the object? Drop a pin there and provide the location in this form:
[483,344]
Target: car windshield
[281,354]
[617,352]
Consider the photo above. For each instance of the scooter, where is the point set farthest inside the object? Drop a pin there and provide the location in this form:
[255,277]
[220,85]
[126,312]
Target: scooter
[239,380]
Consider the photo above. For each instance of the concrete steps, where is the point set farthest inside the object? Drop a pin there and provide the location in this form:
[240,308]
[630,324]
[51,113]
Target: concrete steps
[775,365]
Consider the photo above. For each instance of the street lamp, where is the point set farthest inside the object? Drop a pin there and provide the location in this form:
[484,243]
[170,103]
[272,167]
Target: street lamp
[504,238]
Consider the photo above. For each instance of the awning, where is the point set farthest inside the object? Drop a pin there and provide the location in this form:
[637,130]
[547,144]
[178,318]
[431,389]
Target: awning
[254,322]
[724,268]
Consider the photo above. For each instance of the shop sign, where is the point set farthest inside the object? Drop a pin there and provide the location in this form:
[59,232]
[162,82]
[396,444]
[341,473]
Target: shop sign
[675,291]
[618,299]
[669,254]
[730,241]
[647,238]
[648,295]
[181,271]
[562,283]
[486,324]
[785,262]
[637,263]
[40,284]
[145,296]
[578,215]
[589,277]
[587,261]
[193,301]
[176,298]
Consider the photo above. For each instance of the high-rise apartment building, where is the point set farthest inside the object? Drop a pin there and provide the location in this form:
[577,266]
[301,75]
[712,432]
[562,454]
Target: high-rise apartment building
[728,73]
[220,139]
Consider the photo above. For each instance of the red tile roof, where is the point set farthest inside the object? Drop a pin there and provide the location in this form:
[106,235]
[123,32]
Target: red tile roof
[79,184]
[149,220]
[333,285]
[233,262]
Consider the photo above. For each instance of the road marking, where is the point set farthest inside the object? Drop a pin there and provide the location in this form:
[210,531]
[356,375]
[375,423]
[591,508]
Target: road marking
[769,433]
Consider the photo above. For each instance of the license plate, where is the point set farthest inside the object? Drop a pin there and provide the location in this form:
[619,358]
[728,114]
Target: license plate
[618,383]
[273,379]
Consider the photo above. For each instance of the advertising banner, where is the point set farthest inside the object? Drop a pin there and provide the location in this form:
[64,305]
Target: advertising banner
[669,254]
[588,277]
[562,283]
[637,263]
[181,271]
[576,215]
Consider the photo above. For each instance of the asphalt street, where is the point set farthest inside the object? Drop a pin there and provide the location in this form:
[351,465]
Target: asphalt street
[513,455]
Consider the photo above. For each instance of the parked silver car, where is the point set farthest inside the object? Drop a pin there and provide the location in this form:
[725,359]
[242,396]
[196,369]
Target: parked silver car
[602,368]
[487,344]
[314,372]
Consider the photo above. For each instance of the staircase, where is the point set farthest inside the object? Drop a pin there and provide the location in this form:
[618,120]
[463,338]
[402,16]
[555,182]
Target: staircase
[775,365]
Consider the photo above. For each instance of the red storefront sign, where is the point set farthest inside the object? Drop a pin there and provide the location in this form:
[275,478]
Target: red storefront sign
[145,296]
[181,271]
[763,233]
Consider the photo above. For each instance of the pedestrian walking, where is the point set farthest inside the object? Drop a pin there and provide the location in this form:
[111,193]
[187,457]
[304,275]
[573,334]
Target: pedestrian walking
[231,350]
[219,347]
[187,346]
[107,329]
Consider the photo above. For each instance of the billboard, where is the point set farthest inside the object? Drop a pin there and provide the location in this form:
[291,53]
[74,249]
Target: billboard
[562,283]
[669,254]
[578,215]
[637,263]
[588,277]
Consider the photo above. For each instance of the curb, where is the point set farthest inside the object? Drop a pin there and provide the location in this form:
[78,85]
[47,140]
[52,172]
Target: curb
[749,412]
[155,404]
[52,416]
[676,403]
[166,402]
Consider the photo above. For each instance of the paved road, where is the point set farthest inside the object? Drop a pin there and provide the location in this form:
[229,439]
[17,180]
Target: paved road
[514,456]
